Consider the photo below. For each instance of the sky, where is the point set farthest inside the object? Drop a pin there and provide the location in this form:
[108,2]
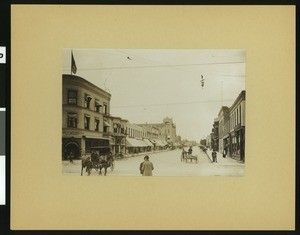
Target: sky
[147,85]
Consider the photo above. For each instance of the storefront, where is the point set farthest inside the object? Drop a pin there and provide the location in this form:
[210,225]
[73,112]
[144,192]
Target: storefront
[237,143]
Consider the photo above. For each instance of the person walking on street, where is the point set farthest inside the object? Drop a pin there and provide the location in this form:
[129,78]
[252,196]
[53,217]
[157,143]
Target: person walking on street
[224,153]
[214,156]
[147,167]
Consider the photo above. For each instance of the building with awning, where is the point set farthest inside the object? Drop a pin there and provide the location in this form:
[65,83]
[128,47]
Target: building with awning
[135,145]
[131,142]
[83,125]
[150,145]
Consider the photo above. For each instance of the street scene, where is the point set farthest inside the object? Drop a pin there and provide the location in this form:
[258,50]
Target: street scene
[166,163]
[142,112]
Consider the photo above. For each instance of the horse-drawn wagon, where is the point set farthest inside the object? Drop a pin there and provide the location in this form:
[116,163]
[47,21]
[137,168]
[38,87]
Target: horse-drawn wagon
[97,161]
[191,158]
[186,156]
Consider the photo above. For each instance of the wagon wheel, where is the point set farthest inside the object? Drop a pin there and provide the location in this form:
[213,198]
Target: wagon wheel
[112,166]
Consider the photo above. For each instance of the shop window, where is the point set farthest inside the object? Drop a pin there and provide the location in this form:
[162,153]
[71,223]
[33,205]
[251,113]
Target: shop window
[72,120]
[72,97]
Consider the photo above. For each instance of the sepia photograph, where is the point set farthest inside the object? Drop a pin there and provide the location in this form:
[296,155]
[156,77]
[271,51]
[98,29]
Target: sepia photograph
[104,95]
[153,112]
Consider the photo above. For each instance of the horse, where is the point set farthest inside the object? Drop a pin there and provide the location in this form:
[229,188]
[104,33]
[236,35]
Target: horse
[105,162]
[183,155]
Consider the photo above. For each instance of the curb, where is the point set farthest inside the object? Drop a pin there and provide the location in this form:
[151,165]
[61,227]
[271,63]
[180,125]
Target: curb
[145,153]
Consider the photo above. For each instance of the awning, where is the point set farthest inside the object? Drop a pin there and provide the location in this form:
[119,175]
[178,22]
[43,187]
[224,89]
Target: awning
[72,115]
[130,142]
[97,103]
[148,142]
[106,123]
[159,143]
[164,142]
[142,143]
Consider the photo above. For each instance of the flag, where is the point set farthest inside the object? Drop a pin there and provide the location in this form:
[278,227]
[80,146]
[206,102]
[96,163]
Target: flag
[73,65]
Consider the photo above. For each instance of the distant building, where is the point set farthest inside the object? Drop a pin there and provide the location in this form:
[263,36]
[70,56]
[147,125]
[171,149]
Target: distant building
[85,111]
[167,130]
[134,139]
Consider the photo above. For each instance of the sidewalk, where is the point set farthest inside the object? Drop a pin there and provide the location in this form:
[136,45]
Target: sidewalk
[223,161]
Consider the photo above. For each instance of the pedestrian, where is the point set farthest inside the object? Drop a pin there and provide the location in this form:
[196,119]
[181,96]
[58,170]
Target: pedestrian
[214,156]
[146,167]
[71,156]
[224,152]
[141,166]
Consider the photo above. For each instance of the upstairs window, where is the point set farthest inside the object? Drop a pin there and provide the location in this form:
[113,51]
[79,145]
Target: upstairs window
[105,126]
[97,106]
[97,124]
[87,100]
[105,111]
[72,97]
[72,120]
[86,122]
[115,128]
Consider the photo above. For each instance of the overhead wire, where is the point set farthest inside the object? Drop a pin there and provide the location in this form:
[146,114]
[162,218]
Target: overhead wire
[167,104]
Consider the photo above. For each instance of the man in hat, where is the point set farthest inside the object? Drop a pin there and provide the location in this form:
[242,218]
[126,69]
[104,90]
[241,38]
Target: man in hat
[147,167]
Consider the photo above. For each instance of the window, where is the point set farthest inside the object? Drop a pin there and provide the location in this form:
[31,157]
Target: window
[115,128]
[105,108]
[86,122]
[241,114]
[97,124]
[97,106]
[72,97]
[105,126]
[87,100]
[72,120]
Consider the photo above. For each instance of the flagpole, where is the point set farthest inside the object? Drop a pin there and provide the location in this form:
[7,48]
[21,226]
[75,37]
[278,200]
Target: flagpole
[71,61]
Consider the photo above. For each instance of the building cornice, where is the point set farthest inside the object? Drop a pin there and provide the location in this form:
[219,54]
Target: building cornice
[81,82]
